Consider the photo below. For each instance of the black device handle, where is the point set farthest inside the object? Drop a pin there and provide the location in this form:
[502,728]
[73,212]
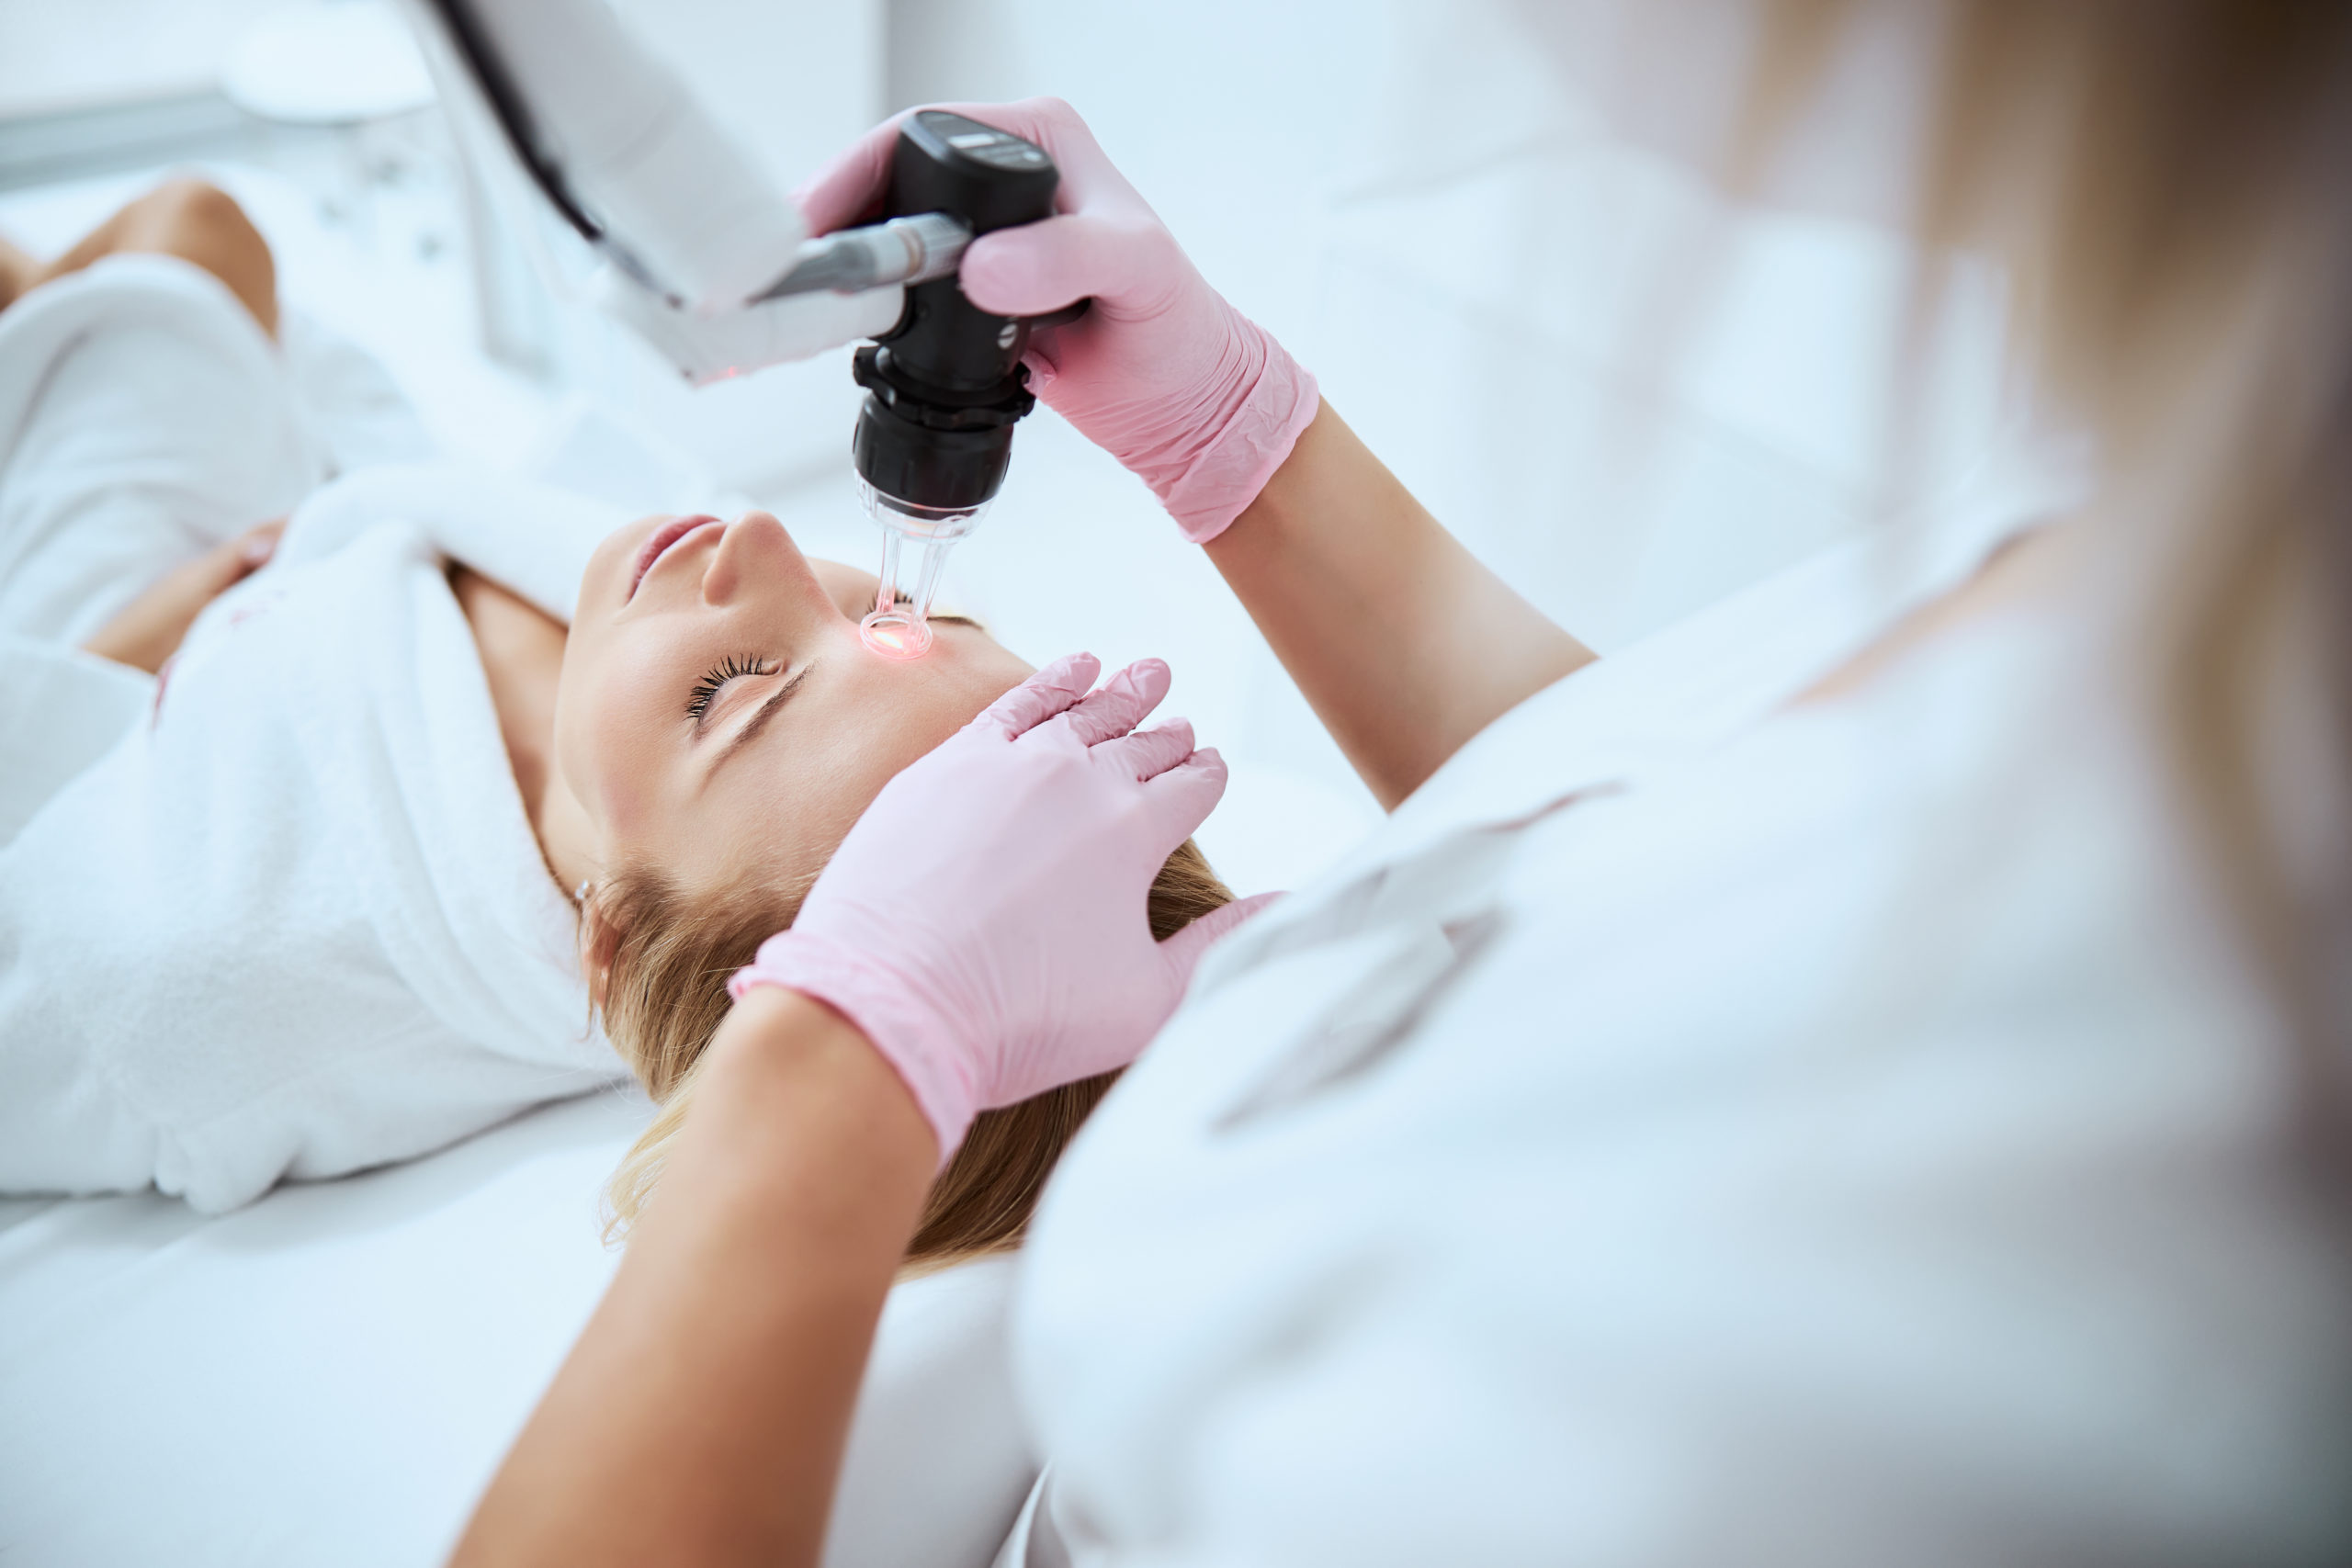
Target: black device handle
[945,384]
[989,179]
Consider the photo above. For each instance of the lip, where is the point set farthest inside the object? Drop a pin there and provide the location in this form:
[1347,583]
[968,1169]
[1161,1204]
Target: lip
[657,545]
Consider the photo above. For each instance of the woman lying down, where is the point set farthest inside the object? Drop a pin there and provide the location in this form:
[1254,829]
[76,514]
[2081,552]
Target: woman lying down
[410,808]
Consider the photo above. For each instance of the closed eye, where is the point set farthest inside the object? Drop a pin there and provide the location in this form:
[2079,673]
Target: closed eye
[706,691]
[747,731]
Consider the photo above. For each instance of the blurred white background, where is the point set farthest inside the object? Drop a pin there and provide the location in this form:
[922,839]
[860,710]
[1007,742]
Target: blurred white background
[1628,396]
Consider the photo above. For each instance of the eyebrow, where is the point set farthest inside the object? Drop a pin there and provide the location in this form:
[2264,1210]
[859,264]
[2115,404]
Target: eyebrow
[758,721]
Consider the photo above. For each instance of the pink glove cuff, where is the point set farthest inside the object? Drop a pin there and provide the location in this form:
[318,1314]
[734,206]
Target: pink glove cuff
[910,1034]
[1263,400]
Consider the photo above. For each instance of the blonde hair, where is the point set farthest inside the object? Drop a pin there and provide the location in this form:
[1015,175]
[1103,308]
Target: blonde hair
[2165,183]
[666,963]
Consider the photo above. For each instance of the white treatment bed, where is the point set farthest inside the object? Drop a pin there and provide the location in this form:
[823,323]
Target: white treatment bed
[330,1375]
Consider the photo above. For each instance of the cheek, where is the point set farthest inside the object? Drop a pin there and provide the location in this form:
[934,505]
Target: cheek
[930,702]
[837,775]
[624,790]
[607,745]
[837,768]
[603,579]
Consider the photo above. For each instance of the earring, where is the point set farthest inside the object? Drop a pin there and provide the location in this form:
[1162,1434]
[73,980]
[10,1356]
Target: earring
[580,894]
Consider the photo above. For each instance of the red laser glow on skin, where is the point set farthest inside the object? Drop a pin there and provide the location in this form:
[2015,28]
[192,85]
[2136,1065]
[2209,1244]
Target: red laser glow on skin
[896,634]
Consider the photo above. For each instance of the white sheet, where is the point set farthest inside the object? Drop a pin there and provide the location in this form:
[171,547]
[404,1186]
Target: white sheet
[330,1375]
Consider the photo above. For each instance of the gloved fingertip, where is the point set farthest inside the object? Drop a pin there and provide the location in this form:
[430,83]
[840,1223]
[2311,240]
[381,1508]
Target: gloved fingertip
[1185,794]
[1034,268]
[1185,948]
[989,272]
[1207,765]
[1152,752]
[1005,276]
[1043,367]
[1070,673]
[1241,909]
[1053,690]
[1146,679]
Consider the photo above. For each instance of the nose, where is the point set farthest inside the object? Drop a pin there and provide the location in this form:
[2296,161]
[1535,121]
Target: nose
[754,550]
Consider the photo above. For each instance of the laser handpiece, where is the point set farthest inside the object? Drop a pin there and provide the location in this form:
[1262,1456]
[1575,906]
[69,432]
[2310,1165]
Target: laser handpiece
[944,385]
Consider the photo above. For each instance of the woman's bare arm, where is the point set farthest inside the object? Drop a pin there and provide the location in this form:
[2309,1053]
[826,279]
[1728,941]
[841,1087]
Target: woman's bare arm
[1404,643]
[20,270]
[148,629]
[701,1417]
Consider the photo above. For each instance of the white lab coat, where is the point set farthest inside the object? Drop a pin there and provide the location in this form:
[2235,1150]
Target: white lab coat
[1699,1131]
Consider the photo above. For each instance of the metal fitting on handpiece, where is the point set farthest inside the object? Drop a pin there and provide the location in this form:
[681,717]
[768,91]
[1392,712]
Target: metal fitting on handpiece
[903,250]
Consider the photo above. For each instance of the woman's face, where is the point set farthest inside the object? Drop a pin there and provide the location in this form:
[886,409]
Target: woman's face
[719,716]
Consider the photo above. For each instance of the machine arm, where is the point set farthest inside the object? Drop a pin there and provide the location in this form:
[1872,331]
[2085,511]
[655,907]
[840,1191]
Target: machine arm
[704,257]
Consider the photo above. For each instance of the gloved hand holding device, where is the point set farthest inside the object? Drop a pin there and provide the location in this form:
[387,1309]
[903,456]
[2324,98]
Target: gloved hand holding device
[983,924]
[1403,642]
[1196,400]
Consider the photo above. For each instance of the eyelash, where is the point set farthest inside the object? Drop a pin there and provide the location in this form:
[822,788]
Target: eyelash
[707,690]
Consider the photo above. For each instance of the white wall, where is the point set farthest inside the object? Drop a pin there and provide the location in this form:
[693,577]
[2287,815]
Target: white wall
[74,54]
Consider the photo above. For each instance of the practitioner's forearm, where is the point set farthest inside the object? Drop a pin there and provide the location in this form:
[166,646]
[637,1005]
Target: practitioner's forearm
[701,1416]
[1404,643]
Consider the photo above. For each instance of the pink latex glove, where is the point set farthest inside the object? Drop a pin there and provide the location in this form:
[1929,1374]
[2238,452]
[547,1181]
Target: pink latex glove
[1199,402]
[983,924]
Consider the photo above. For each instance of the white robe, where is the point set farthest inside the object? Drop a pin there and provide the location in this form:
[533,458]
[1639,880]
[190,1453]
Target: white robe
[288,915]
